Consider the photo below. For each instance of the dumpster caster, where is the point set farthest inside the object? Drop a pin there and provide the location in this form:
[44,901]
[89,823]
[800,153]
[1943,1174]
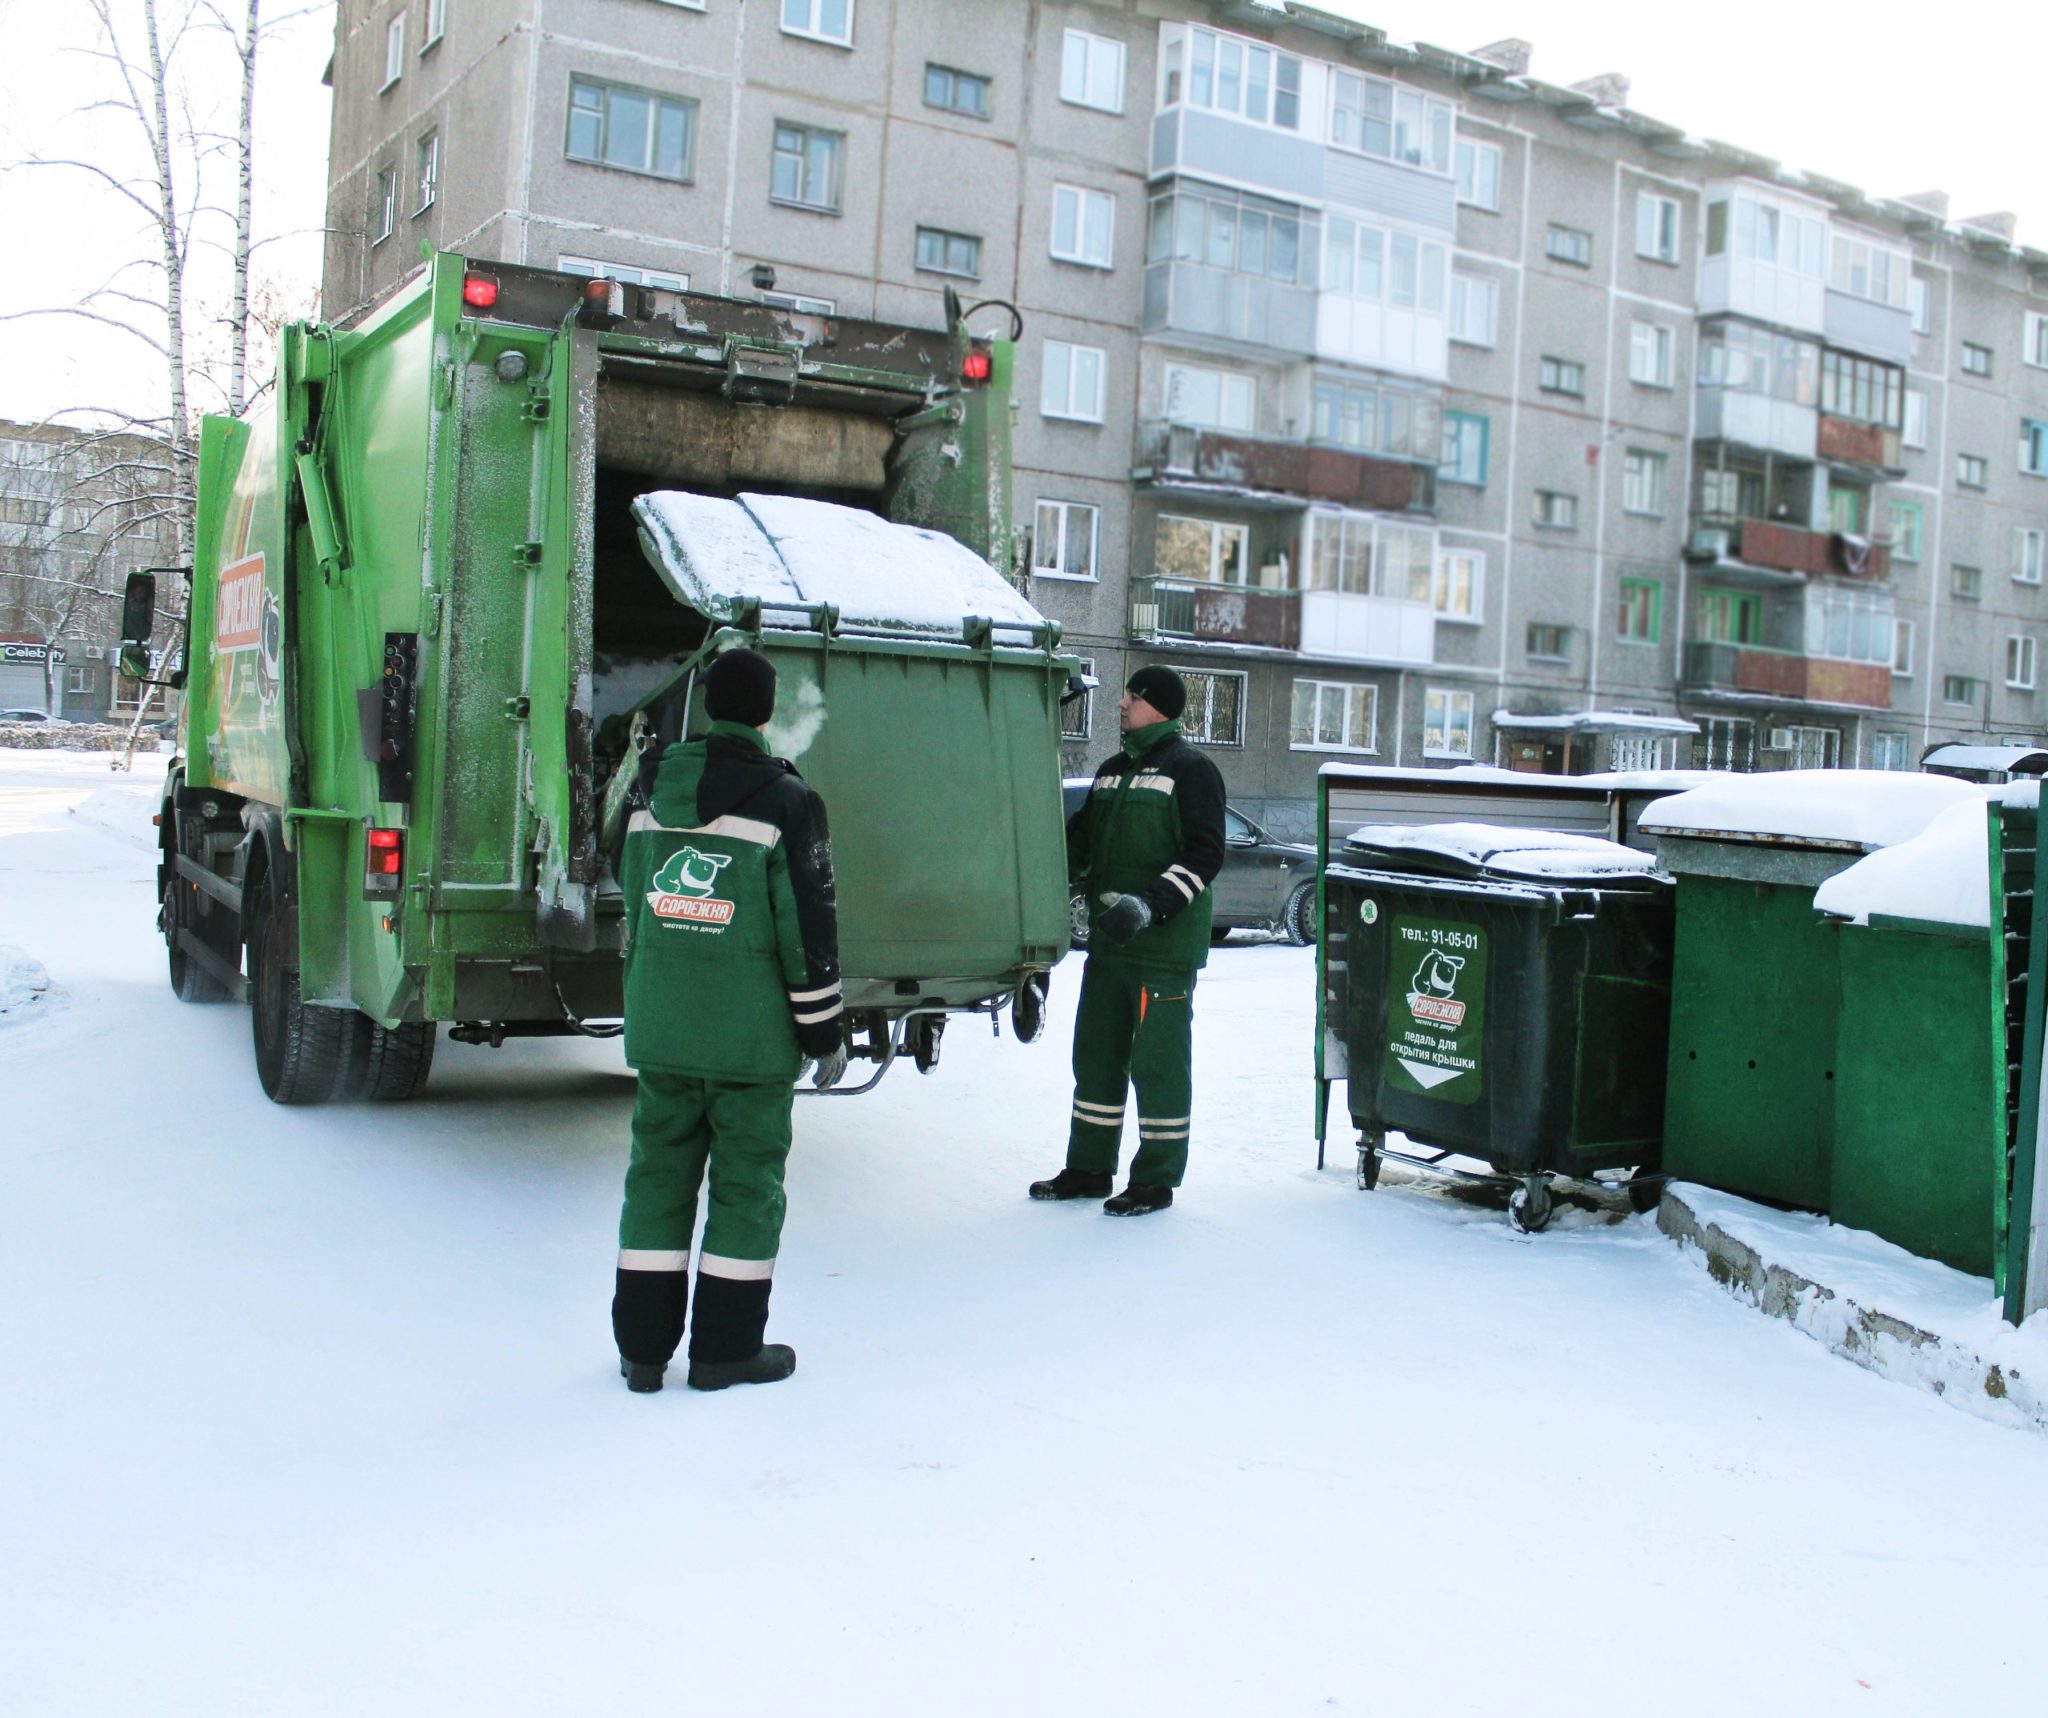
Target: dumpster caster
[1027,1009]
[1368,1161]
[925,1031]
[1529,1206]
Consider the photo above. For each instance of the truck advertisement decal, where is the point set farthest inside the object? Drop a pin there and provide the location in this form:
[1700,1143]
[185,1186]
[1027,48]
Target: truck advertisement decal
[238,607]
[1436,1009]
[682,896]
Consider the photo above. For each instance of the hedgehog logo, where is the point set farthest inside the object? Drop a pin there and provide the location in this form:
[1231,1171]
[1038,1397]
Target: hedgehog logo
[683,885]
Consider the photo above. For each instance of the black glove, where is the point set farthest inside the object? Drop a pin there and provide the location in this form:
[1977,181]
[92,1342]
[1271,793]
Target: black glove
[826,1072]
[1124,917]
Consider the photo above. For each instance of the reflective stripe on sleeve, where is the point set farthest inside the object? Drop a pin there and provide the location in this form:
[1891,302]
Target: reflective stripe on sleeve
[1154,780]
[735,1270]
[654,1258]
[817,1016]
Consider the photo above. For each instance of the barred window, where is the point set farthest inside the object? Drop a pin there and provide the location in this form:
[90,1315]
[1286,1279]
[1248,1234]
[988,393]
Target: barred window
[1215,711]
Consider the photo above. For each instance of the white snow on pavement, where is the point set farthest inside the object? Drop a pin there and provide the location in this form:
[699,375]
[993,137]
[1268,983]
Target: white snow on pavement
[315,1410]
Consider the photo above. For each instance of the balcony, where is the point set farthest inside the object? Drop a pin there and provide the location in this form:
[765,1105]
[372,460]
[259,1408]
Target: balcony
[1223,308]
[1787,548]
[1870,447]
[1756,421]
[1251,468]
[1715,667]
[1214,613]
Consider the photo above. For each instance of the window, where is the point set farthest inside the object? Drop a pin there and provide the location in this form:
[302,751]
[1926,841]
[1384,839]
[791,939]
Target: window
[437,23]
[2019,663]
[1063,539]
[1847,623]
[383,206]
[1902,649]
[1561,376]
[1656,227]
[1966,582]
[1727,743]
[802,303]
[1206,551]
[1888,751]
[1755,360]
[1731,617]
[1976,359]
[1217,399]
[1215,709]
[1478,174]
[1369,418]
[1914,434]
[1446,723]
[1869,271]
[1245,234]
[820,20]
[1641,616]
[1474,302]
[1640,752]
[1092,71]
[1846,509]
[1396,268]
[1076,714]
[1861,389]
[625,273]
[635,130]
[2034,447]
[1228,74]
[956,92]
[1329,716]
[2034,342]
[1559,511]
[1971,471]
[2031,546]
[1547,643]
[1464,455]
[1649,354]
[1766,233]
[805,171]
[1920,304]
[1458,590]
[1569,244]
[427,161]
[1958,689]
[1815,748]
[1083,225]
[394,52]
[1907,518]
[940,252]
[1642,481]
[1372,116]
[1359,554]
[1072,384]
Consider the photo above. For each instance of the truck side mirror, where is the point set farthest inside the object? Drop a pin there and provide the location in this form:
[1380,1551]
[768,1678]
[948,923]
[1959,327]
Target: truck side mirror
[138,609]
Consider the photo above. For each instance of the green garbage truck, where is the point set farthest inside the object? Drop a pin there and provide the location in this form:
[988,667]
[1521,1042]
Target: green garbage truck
[467,561]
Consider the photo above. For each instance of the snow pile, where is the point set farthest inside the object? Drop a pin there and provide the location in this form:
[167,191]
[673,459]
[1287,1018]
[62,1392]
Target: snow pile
[23,984]
[716,554]
[1943,874]
[1851,808]
[1544,854]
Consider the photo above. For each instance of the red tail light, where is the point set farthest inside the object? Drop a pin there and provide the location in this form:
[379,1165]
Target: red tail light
[383,861]
[479,290]
[975,367]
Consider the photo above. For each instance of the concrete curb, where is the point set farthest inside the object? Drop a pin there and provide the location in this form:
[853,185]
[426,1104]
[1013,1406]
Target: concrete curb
[1953,1369]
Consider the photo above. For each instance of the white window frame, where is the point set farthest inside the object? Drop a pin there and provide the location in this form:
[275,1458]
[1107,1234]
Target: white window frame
[1976,359]
[1849,251]
[1913,432]
[1967,683]
[947,239]
[1085,704]
[1432,121]
[1345,694]
[1888,751]
[1664,213]
[2030,554]
[1442,584]
[1473,185]
[78,677]
[957,75]
[427,169]
[1221,532]
[2021,661]
[626,274]
[1555,510]
[1438,702]
[805,196]
[1067,359]
[1466,328]
[1650,349]
[811,30]
[1645,480]
[1180,380]
[1904,639]
[383,205]
[1920,304]
[394,52]
[1556,231]
[2034,340]
[1973,471]
[1189,47]
[1206,680]
[656,100]
[436,25]
[2034,446]
[1068,517]
[802,303]
[1078,77]
[1080,199]
[1908,518]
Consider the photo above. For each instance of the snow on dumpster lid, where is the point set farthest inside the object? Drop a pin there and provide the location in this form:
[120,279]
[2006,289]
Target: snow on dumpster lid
[1942,875]
[1546,855]
[1828,808]
[2026,760]
[717,554]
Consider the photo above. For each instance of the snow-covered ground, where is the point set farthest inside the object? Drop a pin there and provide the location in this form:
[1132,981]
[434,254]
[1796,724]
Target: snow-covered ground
[315,1412]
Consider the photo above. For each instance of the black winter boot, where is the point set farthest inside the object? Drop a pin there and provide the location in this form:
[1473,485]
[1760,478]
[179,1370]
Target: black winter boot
[771,1363]
[725,1335]
[647,1323]
[1138,1198]
[641,1380]
[1074,1184]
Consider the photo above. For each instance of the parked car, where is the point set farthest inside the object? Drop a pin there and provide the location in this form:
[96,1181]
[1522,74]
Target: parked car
[7,716]
[1265,885]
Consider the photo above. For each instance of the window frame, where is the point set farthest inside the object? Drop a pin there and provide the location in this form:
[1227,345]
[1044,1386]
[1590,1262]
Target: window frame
[1456,331]
[2022,661]
[1548,517]
[1566,376]
[1630,589]
[1456,428]
[1975,360]
[1663,203]
[394,50]
[1348,690]
[1474,585]
[1973,471]
[1908,539]
[1442,699]
[2034,447]
[2030,554]
[947,238]
[1066,512]
[1919,304]
[1662,349]
[1965,581]
[2034,339]
[1223,420]
[1085,704]
[1556,230]
[626,273]
[954,74]
[1072,351]
[1089,41]
[833,203]
[1563,653]
[1220,532]
[383,205]
[427,169]
[1649,470]
[1914,406]
[1209,679]
[1079,255]
[656,100]
[1905,638]
[436,22]
[1966,683]
[813,31]
[1479,151]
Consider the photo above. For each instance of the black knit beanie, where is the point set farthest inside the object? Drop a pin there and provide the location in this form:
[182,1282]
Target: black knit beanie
[740,687]
[1160,687]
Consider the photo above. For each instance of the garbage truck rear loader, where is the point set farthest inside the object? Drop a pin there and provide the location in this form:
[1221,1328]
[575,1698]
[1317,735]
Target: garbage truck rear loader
[430,627]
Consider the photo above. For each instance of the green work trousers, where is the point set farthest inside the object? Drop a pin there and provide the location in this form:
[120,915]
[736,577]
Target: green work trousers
[681,1125]
[1132,1029]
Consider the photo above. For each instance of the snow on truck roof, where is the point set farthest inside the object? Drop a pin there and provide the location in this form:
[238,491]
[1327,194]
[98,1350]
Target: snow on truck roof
[717,554]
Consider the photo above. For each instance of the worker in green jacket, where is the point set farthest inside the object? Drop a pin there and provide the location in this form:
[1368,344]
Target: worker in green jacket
[732,980]
[1146,844]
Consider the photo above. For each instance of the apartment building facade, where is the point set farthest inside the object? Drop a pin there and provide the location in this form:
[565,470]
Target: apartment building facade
[1418,411]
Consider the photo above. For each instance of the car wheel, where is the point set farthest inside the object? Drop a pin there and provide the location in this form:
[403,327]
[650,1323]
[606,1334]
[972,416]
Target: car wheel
[1298,917]
[1077,919]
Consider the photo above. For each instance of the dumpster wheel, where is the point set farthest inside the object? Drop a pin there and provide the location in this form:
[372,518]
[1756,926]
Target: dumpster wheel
[1369,1160]
[924,1033]
[1529,1206]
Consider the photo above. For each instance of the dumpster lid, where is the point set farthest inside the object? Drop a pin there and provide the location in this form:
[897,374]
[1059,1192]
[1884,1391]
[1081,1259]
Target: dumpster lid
[1940,876]
[1489,850]
[1982,762]
[790,554]
[1847,810]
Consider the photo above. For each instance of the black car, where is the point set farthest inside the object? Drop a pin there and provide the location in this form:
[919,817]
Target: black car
[1265,885]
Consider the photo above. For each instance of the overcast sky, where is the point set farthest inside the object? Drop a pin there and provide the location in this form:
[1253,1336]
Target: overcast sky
[1883,94]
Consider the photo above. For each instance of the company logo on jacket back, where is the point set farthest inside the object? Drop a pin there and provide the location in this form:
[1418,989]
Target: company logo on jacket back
[683,885]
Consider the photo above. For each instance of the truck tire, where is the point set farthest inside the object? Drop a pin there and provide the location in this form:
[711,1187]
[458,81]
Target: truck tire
[190,982]
[301,1053]
[388,1064]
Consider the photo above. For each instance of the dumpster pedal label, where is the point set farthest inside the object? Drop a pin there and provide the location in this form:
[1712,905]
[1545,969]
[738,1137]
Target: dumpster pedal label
[683,887]
[1435,1021]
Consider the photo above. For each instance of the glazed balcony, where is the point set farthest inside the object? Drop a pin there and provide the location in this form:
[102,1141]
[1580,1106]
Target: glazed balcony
[1228,310]
[1790,549]
[1710,666]
[1266,469]
[1846,441]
